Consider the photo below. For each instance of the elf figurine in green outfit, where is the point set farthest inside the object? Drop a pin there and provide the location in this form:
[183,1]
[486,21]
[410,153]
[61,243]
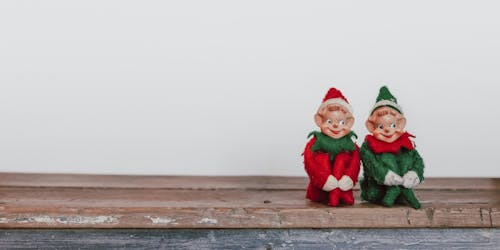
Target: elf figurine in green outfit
[391,164]
[331,158]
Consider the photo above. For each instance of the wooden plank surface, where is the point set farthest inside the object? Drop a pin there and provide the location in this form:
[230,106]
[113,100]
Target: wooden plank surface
[206,182]
[486,239]
[74,201]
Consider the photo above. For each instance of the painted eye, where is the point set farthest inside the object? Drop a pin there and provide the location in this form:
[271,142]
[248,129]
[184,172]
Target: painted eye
[342,122]
[393,125]
[380,126]
[329,121]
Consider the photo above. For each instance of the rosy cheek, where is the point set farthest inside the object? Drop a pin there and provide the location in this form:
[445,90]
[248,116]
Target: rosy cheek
[378,134]
[324,128]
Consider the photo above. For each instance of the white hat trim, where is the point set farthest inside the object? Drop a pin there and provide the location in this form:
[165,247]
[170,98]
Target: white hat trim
[387,103]
[339,101]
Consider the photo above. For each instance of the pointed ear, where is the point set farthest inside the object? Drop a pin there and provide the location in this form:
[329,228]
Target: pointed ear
[370,125]
[349,121]
[318,119]
[401,121]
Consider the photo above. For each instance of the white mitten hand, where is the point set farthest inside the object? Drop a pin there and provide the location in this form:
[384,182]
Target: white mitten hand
[392,179]
[410,179]
[345,183]
[330,184]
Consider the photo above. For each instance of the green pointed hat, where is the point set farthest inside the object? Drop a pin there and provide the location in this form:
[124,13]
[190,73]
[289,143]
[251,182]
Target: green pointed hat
[386,99]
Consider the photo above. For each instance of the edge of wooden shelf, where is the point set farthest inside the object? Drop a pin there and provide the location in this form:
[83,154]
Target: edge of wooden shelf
[117,201]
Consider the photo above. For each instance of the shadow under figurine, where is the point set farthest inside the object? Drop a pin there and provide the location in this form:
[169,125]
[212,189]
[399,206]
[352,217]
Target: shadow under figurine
[331,158]
[391,164]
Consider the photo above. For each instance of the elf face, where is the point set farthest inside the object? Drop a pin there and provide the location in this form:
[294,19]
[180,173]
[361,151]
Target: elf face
[386,124]
[334,121]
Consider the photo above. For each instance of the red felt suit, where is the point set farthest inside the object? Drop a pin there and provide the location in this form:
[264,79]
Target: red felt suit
[318,166]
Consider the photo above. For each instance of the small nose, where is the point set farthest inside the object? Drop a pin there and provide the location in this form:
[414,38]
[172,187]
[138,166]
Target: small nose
[335,125]
[387,130]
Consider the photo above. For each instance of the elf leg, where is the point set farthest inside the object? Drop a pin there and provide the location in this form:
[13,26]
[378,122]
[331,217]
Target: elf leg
[391,194]
[409,196]
[334,197]
[315,194]
[371,191]
[347,197]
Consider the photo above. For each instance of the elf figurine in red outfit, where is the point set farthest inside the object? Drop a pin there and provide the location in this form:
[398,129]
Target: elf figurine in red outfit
[392,166]
[331,158]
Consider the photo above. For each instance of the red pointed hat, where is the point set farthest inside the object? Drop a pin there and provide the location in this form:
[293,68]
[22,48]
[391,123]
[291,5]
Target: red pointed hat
[334,96]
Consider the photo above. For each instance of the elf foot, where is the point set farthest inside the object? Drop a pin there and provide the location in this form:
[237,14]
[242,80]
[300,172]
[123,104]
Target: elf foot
[371,192]
[334,197]
[316,194]
[347,197]
[391,195]
[409,196]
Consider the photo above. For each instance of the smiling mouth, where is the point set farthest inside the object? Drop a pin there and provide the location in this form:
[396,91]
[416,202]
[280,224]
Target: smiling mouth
[387,136]
[335,132]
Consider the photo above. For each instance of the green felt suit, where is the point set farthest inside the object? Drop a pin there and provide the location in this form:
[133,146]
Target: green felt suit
[377,165]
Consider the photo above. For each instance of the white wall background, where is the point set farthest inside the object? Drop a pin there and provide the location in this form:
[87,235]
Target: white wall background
[230,88]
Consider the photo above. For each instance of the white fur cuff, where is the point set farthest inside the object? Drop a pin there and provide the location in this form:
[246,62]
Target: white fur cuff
[386,103]
[330,184]
[410,179]
[345,183]
[392,179]
[337,101]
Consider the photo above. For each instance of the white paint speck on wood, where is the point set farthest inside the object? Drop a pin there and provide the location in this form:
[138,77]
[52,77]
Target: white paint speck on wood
[208,221]
[161,220]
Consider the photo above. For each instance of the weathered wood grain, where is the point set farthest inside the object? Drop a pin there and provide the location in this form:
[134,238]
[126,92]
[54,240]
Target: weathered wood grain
[252,239]
[97,197]
[495,216]
[154,182]
[240,203]
[208,182]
